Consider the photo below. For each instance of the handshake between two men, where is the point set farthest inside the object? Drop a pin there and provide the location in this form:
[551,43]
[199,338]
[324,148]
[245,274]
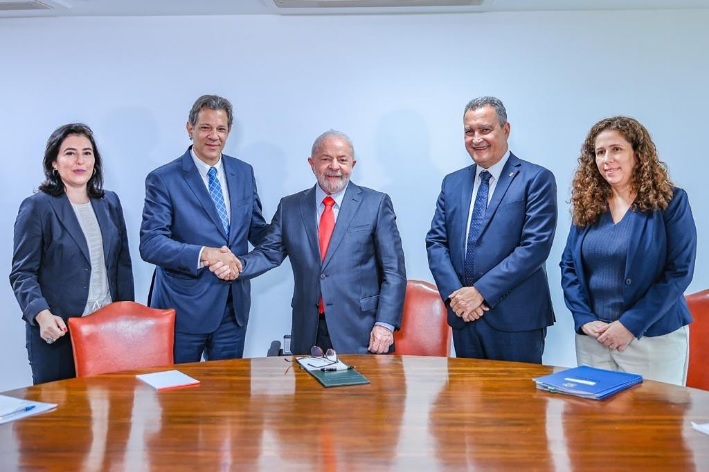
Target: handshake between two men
[221,262]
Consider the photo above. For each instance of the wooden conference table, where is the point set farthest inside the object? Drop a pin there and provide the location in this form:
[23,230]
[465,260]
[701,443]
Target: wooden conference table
[418,413]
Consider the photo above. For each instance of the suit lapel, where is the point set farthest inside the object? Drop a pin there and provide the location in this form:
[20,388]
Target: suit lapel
[108,234]
[309,215]
[578,257]
[466,196]
[67,218]
[638,222]
[234,184]
[196,184]
[509,172]
[350,204]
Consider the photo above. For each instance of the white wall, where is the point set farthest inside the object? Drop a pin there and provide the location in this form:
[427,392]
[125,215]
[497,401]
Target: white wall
[396,84]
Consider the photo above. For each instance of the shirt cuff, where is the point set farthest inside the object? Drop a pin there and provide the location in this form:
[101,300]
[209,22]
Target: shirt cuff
[199,258]
[385,325]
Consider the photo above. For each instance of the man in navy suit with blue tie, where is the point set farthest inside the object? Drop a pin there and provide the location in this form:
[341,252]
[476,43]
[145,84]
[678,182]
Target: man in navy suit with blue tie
[200,210]
[489,241]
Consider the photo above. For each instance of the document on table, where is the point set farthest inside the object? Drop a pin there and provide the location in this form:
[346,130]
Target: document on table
[12,409]
[704,427]
[168,379]
[321,364]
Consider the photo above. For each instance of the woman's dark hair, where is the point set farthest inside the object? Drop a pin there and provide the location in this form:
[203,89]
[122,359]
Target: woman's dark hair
[53,184]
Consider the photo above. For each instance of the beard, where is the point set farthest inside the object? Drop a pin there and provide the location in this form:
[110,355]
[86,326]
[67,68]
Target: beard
[331,186]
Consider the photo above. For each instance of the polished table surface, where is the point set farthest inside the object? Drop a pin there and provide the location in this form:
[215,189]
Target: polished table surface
[418,413]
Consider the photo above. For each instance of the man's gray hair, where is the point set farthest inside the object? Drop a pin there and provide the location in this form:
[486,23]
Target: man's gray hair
[493,102]
[211,102]
[331,134]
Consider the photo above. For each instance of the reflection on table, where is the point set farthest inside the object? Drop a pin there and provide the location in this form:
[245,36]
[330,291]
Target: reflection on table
[418,413]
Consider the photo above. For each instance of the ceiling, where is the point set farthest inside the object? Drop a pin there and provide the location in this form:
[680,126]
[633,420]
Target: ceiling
[59,8]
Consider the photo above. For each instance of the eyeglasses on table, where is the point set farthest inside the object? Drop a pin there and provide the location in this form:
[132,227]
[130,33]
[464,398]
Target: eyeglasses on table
[324,358]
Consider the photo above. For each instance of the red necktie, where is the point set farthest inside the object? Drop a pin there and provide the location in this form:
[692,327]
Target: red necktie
[327,224]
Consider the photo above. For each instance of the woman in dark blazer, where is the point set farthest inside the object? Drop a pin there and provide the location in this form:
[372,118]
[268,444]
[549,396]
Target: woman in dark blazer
[70,250]
[629,256]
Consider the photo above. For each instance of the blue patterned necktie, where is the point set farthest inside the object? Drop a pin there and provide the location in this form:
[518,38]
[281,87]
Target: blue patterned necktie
[476,224]
[215,191]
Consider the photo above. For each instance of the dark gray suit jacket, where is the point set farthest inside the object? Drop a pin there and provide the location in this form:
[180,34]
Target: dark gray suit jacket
[362,279]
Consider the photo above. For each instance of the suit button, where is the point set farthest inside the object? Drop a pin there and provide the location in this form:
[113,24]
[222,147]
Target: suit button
[322,276]
[628,281]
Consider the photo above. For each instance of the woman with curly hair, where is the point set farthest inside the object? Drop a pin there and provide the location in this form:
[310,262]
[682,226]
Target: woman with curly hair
[629,256]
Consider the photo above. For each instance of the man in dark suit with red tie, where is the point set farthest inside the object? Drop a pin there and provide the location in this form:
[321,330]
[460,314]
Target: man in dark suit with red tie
[346,255]
[489,241]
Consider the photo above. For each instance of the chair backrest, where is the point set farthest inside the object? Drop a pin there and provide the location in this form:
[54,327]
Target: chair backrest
[122,336]
[424,325]
[698,373]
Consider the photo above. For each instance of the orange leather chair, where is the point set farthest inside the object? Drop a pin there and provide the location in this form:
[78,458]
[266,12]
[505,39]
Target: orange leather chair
[122,336]
[698,373]
[424,325]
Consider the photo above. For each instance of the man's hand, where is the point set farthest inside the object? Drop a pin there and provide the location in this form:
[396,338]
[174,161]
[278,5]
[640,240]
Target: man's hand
[221,262]
[468,303]
[616,336]
[380,340]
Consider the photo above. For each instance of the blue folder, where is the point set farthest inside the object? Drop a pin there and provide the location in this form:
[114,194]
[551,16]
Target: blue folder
[588,382]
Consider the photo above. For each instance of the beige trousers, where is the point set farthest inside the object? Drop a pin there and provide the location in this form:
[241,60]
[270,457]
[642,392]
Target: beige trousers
[661,358]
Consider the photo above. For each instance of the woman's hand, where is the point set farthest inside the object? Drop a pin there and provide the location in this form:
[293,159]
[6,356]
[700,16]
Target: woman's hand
[594,328]
[616,336]
[51,327]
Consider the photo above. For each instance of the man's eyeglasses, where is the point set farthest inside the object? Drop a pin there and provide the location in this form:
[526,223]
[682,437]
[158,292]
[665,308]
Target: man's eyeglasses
[320,358]
[326,358]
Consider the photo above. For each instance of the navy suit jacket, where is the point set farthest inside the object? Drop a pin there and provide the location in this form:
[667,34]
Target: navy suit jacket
[179,218]
[362,279]
[511,252]
[659,268]
[51,266]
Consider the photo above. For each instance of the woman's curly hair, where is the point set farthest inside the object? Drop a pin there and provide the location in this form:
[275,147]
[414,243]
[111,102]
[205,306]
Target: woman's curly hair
[650,182]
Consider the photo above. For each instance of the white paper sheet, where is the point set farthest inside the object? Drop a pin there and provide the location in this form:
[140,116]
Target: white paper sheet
[12,408]
[321,363]
[704,428]
[168,379]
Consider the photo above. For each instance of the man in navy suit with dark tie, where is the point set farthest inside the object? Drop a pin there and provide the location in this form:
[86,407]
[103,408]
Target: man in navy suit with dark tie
[200,210]
[489,241]
[346,255]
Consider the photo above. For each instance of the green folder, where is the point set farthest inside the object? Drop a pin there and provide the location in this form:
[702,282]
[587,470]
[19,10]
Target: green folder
[329,374]
[339,378]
